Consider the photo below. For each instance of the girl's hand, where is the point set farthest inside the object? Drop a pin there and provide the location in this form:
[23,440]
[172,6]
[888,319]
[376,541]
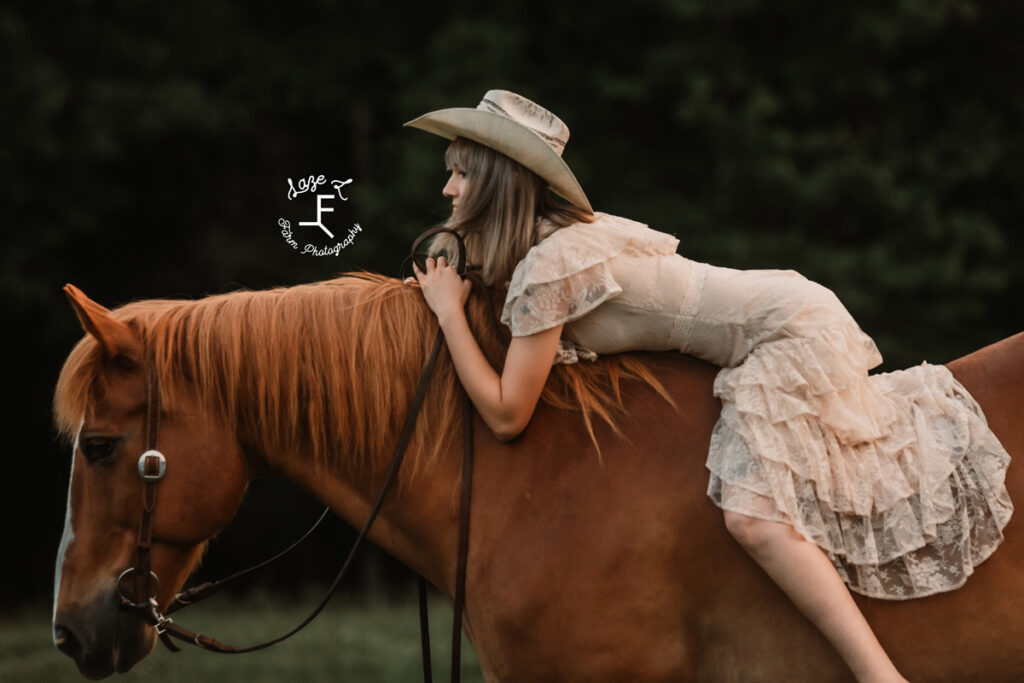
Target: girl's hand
[443,288]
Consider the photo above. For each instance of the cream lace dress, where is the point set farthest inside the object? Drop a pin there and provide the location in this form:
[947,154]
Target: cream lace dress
[896,476]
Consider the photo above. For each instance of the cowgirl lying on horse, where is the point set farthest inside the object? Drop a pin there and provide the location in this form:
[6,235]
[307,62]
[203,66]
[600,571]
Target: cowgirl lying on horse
[610,568]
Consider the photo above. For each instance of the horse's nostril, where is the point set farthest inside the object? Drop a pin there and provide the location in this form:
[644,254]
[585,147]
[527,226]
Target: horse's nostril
[66,642]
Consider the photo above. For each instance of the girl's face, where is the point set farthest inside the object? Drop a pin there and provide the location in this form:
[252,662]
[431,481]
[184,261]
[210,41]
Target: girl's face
[457,186]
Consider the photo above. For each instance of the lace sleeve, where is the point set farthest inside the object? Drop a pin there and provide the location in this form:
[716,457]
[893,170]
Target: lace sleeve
[535,306]
[568,274]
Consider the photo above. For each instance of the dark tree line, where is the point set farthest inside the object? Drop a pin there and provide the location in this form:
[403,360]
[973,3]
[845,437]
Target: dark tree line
[874,146]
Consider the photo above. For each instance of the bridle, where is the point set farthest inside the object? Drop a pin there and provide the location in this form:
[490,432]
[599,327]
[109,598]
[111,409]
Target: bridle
[139,585]
[152,467]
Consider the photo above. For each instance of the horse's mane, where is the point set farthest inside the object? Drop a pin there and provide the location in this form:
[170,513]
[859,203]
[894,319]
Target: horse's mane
[327,369]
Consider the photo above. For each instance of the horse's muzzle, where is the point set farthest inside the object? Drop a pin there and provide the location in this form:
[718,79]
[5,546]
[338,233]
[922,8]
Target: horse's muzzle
[102,637]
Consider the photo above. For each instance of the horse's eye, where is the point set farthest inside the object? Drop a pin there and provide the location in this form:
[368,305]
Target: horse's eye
[98,448]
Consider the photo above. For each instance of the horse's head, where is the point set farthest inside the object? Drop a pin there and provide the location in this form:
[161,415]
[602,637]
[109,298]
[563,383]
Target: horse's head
[103,385]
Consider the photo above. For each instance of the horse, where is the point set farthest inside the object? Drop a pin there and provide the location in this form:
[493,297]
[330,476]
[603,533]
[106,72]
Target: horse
[594,553]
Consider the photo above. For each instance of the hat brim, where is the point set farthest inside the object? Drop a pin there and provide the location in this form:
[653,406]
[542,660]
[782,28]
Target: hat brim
[511,139]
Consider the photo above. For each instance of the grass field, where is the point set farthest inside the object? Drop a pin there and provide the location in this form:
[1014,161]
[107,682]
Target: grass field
[361,643]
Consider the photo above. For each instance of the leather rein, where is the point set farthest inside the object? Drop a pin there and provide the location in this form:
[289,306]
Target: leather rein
[139,585]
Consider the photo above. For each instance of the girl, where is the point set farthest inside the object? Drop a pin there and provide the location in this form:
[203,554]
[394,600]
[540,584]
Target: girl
[891,483]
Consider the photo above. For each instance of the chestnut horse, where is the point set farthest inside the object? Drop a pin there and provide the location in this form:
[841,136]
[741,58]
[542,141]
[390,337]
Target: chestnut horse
[585,563]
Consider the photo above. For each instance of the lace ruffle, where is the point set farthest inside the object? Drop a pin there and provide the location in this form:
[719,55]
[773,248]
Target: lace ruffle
[897,476]
[567,274]
[541,305]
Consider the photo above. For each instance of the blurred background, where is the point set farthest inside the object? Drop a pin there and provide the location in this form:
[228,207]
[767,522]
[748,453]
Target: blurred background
[876,147]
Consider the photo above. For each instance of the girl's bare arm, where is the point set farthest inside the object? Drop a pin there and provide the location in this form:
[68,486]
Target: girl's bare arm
[506,401]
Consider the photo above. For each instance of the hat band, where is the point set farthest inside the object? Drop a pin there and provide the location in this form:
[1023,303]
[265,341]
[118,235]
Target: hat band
[557,144]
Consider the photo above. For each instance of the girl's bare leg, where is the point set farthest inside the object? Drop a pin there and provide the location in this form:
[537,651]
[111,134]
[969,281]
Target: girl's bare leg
[807,576]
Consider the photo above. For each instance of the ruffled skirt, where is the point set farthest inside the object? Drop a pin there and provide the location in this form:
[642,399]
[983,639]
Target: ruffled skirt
[896,476]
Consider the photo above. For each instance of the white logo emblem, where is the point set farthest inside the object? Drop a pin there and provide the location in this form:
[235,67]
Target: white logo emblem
[311,229]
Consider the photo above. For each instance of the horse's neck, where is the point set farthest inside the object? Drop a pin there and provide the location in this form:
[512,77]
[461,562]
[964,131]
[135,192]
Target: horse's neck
[416,525]
[994,376]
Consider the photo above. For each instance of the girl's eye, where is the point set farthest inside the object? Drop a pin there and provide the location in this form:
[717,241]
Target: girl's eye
[98,448]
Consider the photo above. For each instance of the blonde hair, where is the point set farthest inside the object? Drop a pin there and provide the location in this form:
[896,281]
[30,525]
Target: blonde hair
[498,214]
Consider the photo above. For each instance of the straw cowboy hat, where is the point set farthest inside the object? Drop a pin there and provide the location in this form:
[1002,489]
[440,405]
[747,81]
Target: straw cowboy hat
[518,128]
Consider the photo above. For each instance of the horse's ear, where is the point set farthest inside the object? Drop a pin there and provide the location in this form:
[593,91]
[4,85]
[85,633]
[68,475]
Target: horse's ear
[115,338]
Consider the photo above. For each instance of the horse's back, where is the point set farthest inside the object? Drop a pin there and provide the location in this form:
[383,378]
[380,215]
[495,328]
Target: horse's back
[994,376]
[620,568]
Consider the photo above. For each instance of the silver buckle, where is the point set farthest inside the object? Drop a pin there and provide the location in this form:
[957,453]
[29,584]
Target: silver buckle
[161,620]
[144,460]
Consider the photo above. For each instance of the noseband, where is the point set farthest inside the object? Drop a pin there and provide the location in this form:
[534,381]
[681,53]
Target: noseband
[139,585]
